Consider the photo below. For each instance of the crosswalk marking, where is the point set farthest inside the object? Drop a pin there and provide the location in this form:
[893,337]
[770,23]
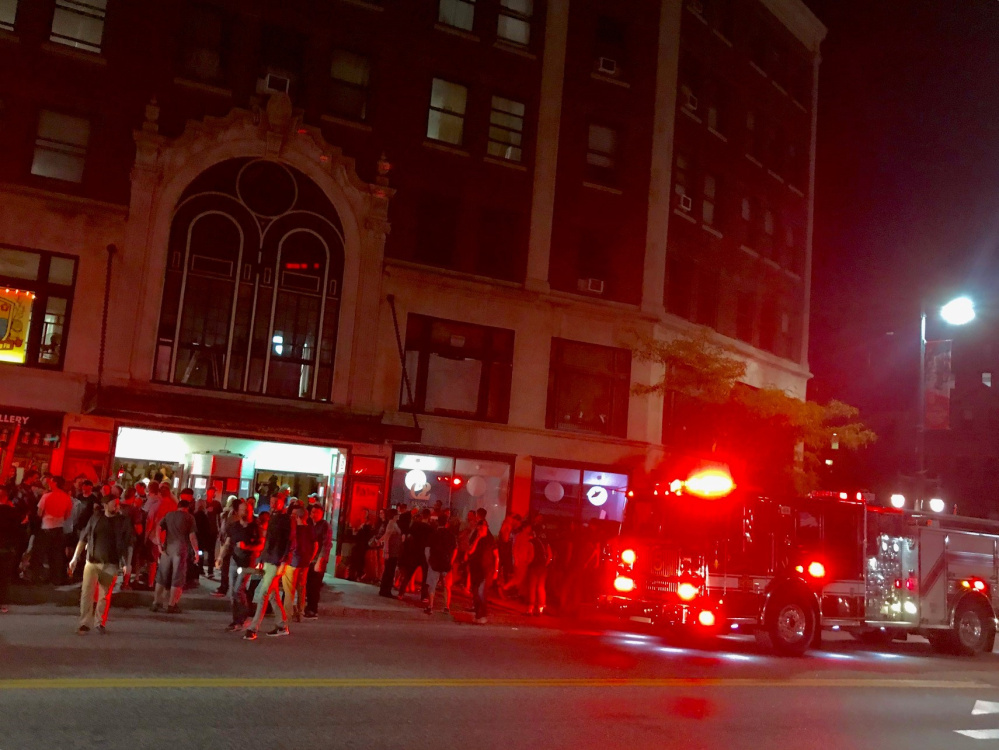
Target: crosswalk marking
[980,734]
[985,707]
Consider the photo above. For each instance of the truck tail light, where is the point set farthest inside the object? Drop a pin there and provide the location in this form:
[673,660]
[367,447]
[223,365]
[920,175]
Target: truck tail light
[687,591]
[816,569]
[624,584]
[706,618]
[628,557]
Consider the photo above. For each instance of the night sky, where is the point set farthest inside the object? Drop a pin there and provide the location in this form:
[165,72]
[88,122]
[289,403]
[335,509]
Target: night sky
[907,193]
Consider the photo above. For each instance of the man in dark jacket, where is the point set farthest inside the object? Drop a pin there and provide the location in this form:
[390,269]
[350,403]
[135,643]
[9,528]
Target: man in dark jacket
[323,533]
[278,548]
[107,539]
[414,555]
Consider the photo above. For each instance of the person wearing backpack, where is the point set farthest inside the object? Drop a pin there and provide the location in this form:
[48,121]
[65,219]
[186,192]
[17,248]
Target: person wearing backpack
[537,570]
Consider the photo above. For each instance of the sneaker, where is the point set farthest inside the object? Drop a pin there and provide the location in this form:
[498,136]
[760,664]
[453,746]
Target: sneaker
[480,620]
[173,609]
[157,607]
[311,616]
[278,631]
[82,630]
[220,594]
[101,630]
[232,627]
[428,611]
[250,635]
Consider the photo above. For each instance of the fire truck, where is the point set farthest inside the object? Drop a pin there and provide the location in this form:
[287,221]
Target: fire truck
[704,556]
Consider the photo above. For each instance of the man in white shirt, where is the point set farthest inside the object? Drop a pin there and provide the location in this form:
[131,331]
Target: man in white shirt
[55,509]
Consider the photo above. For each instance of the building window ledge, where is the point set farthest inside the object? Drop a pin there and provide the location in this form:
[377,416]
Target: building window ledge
[696,14]
[343,121]
[779,87]
[445,148]
[610,79]
[797,191]
[754,160]
[711,230]
[205,87]
[504,163]
[603,188]
[758,69]
[513,49]
[684,215]
[775,176]
[366,4]
[725,40]
[792,275]
[749,251]
[772,263]
[692,116]
[718,135]
[9,36]
[75,54]
[460,33]
[799,105]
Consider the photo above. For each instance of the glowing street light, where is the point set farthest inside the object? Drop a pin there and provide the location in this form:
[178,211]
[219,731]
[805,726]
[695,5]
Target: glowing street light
[898,501]
[937,505]
[958,311]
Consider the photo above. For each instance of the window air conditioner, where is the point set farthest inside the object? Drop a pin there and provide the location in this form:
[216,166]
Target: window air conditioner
[689,100]
[607,66]
[272,83]
[686,203]
[593,286]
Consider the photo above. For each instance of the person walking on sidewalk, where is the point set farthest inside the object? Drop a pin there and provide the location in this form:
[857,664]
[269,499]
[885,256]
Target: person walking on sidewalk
[243,544]
[295,573]
[391,542]
[179,529]
[54,509]
[107,540]
[10,541]
[442,551]
[414,553]
[537,569]
[278,548]
[323,533]
[483,565]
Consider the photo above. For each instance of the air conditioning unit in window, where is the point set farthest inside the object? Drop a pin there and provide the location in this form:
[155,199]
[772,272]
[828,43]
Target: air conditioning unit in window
[607,66]
[686,203]
[689,100]
[274,83]
[591,286]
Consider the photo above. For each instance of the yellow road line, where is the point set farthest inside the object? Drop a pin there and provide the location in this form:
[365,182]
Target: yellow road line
[241,683]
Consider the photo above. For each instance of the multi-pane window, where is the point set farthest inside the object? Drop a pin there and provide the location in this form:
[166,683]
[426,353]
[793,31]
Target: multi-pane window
[745,315]
[710,199]
[457,13]
[79,23]
[679,286]
[681,184]
[506,129]
[8,14]
[36,297]
[446,121]
[610,46]
[602,152]
[514,23]
[457,369]
[204,44]
[350,74]
[588,388]
[61,146]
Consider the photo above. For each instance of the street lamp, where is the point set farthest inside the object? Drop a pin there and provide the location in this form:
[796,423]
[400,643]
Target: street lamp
[957,312]
[937,505]
[898,501]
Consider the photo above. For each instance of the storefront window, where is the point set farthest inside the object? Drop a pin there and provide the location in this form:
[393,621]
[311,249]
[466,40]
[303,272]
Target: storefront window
[588,388]
[36,293]
[458,369]
[570,494]
[251,299]
[461,484]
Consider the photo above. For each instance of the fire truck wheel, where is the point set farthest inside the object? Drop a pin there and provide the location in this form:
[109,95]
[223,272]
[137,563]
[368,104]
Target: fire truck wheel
[791,626]
[974,627]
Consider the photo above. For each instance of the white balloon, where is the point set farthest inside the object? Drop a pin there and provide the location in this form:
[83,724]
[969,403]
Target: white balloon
[476,486]
[554,492]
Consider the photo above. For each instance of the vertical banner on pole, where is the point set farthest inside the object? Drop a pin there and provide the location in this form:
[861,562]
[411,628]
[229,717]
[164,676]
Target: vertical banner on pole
[939,384]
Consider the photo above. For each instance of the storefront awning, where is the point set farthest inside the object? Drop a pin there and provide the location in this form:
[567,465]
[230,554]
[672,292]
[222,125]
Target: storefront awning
[278,420]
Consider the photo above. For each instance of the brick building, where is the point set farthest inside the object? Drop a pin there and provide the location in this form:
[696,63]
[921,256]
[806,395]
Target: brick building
[226,225]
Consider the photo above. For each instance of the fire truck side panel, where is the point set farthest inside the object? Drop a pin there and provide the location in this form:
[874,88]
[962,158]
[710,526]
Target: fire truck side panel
[933,576]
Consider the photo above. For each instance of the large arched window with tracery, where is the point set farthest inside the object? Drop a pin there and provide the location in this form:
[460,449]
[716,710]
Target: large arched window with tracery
[252,289]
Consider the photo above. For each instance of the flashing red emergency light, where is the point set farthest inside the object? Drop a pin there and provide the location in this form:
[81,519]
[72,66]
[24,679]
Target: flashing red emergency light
[628,557]
[624,584]
[712,482]
[456,481]
[816,569]
[686,591]
[706,618]
[974,583]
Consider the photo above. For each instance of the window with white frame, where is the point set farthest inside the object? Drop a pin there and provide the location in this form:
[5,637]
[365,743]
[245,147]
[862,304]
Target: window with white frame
[457,13]
[446,121]
[506,129]
[61,146]
[601,152]
[8,14]
[349,86]
[79,23]
[514,23]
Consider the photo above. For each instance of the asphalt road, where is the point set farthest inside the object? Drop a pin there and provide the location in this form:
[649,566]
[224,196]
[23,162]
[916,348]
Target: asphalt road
[180,682]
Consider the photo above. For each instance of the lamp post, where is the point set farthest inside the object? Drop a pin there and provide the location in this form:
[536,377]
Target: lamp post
[957,312]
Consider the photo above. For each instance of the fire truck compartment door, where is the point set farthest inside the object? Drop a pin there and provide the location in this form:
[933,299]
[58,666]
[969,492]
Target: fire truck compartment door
[933,577]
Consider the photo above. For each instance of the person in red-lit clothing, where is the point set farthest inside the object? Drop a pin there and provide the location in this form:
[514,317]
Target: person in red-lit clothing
[55,509]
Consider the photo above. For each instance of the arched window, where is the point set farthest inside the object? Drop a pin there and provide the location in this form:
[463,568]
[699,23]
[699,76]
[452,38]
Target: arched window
[252,289]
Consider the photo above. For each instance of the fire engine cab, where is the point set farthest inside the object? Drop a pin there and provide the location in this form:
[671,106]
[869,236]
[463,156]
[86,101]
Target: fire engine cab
[703,555]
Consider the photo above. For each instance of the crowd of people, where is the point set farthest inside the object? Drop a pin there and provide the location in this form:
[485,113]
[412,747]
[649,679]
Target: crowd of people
[152,540]
[528,560]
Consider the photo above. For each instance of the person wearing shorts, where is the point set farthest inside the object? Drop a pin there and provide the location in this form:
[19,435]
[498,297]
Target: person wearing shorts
[180,533]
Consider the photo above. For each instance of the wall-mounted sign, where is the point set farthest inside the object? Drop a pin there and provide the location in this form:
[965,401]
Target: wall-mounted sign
[597,496]
[15,316]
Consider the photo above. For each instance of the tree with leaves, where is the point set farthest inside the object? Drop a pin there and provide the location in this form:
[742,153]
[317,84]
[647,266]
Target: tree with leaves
[778,438]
